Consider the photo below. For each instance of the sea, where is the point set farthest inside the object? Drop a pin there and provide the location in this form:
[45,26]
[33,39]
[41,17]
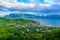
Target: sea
[49,22]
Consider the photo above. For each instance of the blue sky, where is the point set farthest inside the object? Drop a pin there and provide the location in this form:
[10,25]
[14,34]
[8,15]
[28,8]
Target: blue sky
[31,1]
[38,7]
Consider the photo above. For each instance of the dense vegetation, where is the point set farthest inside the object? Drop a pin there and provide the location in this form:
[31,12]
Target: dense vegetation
[22,29]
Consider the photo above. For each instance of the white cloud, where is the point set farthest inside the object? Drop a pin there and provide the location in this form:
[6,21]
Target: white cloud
[9,0]
[2,13]
[8,3]
[13,4]
[45,6]
[53,1]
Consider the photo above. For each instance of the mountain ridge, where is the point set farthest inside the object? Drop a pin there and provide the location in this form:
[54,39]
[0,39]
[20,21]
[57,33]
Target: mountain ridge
[30,16]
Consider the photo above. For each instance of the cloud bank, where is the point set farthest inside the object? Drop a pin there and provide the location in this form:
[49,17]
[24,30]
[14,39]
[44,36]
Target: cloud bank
[45,6]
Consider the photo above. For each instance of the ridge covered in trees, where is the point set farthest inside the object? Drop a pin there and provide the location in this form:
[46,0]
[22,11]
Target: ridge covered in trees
[23,29]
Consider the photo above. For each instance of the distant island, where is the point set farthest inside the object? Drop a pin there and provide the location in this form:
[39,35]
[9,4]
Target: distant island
[20,15]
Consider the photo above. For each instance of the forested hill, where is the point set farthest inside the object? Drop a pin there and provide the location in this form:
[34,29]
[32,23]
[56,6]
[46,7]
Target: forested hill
[23,29]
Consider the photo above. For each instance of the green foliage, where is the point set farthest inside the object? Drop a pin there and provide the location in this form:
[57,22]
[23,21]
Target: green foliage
[54,34]
[21,29]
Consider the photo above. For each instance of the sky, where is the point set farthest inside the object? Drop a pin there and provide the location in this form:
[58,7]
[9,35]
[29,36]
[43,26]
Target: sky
[36,7]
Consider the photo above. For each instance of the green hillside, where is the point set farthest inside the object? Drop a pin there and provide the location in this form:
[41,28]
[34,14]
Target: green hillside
[22,29]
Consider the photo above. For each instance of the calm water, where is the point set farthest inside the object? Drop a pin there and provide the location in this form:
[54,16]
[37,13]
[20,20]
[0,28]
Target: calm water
[49,22]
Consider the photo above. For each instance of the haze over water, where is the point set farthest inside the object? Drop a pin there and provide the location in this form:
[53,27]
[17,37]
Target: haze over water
[49,22]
